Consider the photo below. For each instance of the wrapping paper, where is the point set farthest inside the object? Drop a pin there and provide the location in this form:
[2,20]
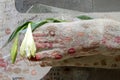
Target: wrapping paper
[73,43]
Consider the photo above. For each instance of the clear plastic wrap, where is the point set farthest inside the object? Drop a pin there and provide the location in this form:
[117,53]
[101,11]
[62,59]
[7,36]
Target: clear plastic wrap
[79,43]
[24,69]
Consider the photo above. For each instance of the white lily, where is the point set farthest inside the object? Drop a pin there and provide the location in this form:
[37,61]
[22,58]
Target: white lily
[28,47]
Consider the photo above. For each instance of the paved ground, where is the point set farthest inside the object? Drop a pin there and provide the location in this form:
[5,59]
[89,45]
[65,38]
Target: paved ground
[81,5]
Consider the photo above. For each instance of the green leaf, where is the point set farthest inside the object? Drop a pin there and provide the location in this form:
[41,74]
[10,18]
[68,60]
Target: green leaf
[15,32]
[55,20]
[37,24]
[48,20]
[14,49]
[84,17]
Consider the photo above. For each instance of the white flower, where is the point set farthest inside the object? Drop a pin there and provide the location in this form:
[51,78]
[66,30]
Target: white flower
[28,47]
